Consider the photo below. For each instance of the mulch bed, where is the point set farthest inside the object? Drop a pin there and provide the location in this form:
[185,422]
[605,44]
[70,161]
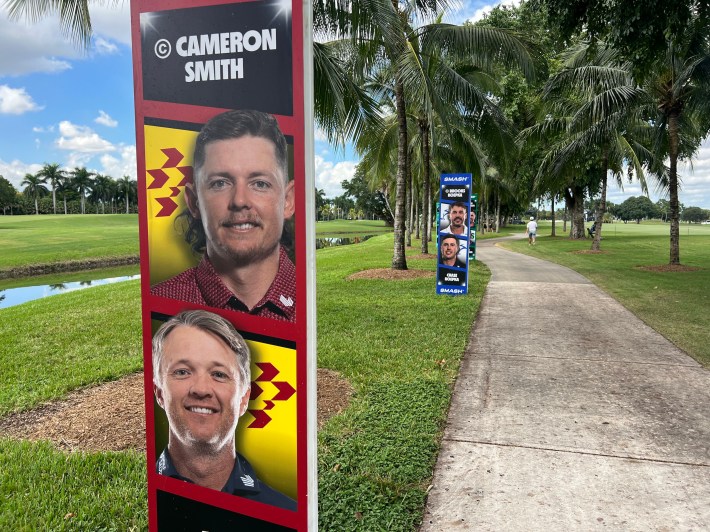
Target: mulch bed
[111,416]
[389,274]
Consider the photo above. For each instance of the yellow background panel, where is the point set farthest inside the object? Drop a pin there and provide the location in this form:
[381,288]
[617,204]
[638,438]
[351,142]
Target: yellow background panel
[272,449]
[168,252]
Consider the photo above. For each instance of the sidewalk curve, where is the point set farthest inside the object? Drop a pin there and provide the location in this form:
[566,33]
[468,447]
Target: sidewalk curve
[569,413]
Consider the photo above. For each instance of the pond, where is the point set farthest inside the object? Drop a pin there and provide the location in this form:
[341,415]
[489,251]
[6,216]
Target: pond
[10,297]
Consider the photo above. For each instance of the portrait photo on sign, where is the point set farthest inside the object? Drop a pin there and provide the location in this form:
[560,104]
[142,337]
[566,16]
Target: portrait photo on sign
[228,243]
[452,251]
[202,382]
[454,219]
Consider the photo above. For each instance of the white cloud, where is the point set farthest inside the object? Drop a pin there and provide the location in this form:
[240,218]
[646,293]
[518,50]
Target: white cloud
[329,175]
[104,47]
[15,171]
[81,140]
[42,47]
[125,164]
[112,20]
[43,129]
[105,120]
[483,10]
[30,43]
[16,101]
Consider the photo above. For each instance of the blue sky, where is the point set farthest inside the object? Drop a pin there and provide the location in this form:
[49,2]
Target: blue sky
[62,105]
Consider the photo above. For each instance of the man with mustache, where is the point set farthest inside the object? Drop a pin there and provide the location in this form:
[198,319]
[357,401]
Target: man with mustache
[458,215]
[236,207]
[201,378]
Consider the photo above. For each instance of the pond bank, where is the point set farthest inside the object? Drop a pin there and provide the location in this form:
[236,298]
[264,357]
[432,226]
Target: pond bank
[32,270]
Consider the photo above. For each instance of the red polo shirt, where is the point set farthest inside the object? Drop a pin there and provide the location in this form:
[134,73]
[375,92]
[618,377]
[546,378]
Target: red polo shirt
[201,285]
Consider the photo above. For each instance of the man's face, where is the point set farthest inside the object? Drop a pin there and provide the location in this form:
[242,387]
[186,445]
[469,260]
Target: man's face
[199,389]
[457,216]
[449,248]
[242,198]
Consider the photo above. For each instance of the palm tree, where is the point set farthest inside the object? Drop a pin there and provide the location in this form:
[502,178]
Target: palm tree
[53,175]
[385,40]
[679,85]
[74,18]
[101,191]
[128,188]
[604,126]
[34,186]
[82,182]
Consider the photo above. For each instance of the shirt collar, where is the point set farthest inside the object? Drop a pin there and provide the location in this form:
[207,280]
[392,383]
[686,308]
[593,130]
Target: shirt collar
[241,480]
[280,298]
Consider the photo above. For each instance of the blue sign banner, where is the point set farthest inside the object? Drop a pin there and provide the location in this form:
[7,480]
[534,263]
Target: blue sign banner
[454,232]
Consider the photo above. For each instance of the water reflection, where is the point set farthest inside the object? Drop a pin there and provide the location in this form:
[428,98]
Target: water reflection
[340,241]
[16,296]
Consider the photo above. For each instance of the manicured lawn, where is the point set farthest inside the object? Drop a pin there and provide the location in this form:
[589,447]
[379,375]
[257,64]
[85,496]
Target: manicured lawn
[399,345]
[45,489]
[351,228]
[46,239]
[673,303]
[396,341]
[51,346]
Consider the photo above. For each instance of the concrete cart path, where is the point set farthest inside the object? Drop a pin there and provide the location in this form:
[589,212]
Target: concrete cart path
[570,414]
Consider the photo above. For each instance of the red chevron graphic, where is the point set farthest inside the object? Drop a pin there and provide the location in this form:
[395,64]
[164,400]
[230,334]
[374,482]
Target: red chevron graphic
[256,391]
[285,391]
[268,371]
[174,157]
[176,191]
[186,171]
[159,178]
[269,405]
[168,205]
[261,419]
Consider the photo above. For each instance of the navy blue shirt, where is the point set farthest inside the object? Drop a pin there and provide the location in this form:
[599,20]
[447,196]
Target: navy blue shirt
[242,482]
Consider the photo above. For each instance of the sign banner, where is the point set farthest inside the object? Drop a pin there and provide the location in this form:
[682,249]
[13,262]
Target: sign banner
[224,133]
[473,226]
[454,234]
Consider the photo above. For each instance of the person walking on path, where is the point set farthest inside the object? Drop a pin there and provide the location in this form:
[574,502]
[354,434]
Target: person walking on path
[532,231]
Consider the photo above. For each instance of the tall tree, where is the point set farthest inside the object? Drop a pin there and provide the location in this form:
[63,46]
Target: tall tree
[8,194]
[82,183]
[34,187]
[127,187]
[52,174]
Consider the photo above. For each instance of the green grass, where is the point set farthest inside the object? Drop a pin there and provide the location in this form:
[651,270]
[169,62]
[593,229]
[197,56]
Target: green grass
[47,239]
[351,228]
[388,338]
[51,346]
[45,489]
[673,303]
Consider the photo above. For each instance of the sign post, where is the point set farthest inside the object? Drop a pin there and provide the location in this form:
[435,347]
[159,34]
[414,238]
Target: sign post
[454,232]
[224,131]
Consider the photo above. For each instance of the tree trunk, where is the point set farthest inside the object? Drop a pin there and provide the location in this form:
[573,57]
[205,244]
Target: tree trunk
[54,200]
[410,208]
[599,220]
[399,258]
[673,188]
[426,193]
[498,213]
[564,219]
[36,206]
[65,205]
[554,228]
[575,202]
